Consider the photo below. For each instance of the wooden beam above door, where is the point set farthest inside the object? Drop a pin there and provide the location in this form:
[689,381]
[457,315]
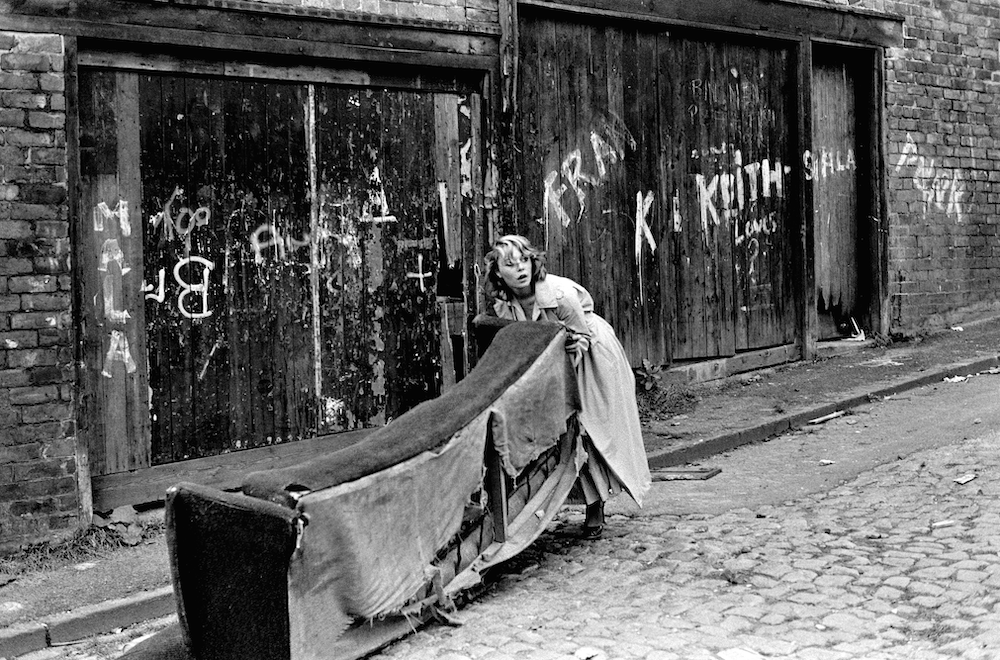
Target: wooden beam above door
[775,18]
[264,29]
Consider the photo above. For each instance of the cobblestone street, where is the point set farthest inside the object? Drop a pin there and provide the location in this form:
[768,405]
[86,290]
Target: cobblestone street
[897,559]
[854,573]
[900,562]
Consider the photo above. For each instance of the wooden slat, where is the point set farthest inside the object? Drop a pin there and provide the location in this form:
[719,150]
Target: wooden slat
[225,471]
[804,273]
[598,247]
[133,448]
[614,228]
[527,158]
[263,31]
[745,124]
[447,164]
[706,370]
[474,219]
[84,488]
[787,18]
[95,93]
[879,242]
[670,232]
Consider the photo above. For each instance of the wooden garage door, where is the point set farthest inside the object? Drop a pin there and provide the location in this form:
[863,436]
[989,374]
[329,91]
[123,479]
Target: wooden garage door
[261,259]
[656,168]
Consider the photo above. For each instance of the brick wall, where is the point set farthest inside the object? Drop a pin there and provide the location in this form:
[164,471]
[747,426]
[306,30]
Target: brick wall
[943,162]
[38,494]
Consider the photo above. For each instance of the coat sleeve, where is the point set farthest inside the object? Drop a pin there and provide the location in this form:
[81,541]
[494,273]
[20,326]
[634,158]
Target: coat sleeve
[572,316]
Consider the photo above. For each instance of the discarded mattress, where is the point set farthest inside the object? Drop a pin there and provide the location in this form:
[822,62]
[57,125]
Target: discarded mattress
[334,558]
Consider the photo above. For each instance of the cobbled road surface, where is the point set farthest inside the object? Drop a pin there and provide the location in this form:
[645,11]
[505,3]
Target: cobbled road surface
[873,536]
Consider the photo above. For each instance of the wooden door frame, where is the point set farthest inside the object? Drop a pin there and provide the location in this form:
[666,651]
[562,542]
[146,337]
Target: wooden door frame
[250,31]
[877,199]
[797,26]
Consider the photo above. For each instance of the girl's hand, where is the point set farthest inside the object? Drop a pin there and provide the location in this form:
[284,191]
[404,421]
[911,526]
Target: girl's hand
[576,345]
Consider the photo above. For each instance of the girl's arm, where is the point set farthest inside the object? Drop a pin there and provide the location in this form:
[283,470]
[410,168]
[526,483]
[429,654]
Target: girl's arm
[572,317]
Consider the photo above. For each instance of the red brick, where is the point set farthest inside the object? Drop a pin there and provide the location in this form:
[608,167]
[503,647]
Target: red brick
[18,339]
[60,522]
[46,433]
[52,228]
[33,357]
[51,194]
[54,265]
[44,469]
[54,337]
[61,448]
[20,453]
[28,490]
[34,395]
[23,211]
[47,44]
[13,378]
[39,507]
[51,374]
[45,301]
[22,81]
[47,120]
[12,117]
[52,82]
[18,229]
[23,99]
[36,320]
[10,303]
[33,284]
[10,156]
[26,62]
[17,137]
[55,155]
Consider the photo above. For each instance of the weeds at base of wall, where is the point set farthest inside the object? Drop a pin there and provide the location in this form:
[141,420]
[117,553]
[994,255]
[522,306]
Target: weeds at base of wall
[92,542]
[659,402]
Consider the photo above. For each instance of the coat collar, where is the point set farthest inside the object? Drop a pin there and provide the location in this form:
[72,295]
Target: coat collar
[545,294]
[546,297]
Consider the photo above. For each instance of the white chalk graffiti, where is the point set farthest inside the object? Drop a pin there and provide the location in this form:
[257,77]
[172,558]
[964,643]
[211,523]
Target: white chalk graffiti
[376,209]
[608,143]
[185,221]
[103,212]
[739,188]
[420,274]
[940,187]
[118,350]
[112,281]
[188,288]
[179,224]
[159,294]
[643,205]
[830,163]
[111,252]
[267,235]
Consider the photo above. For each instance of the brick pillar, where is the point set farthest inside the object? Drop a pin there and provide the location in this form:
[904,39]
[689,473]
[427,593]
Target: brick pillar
[38,491]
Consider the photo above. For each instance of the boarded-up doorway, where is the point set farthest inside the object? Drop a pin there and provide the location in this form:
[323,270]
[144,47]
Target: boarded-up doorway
[657,169]
[838,165]
[264,254]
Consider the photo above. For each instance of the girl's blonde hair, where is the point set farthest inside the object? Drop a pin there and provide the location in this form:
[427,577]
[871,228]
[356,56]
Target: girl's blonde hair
[502,249]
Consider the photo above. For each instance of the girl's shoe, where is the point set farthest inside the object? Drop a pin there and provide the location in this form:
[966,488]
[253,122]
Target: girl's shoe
[591,533]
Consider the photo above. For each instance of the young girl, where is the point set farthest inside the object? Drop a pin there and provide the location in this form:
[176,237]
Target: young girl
[523,291]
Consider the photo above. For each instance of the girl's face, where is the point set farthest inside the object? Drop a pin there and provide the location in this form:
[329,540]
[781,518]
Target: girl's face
[515,270]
